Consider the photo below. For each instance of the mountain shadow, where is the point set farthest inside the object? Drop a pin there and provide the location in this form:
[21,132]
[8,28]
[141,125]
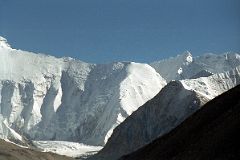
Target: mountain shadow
[210,133]
[10,151]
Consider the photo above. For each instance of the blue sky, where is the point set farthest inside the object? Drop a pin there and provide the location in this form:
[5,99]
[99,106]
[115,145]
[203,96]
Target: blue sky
[101,31]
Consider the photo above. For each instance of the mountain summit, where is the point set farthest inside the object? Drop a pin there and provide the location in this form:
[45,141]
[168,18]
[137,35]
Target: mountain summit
[4,43]
[185,66]
[47,98]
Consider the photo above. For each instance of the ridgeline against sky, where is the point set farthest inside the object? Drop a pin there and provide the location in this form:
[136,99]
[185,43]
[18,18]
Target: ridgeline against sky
[134,30]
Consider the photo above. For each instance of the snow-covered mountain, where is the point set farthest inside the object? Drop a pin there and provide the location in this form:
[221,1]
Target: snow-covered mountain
[48,98]
[186,66]
[175,102]
[44,98]
[210,133]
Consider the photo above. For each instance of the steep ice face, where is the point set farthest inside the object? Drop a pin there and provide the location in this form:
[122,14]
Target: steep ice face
[19,65]
[137,82]
[132,87]
[30,89]
[48,98]
[112,92]
[175,102]
[185,66]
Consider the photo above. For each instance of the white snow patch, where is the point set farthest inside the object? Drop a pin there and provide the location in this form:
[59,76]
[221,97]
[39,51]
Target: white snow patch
[180,70]
[70,149]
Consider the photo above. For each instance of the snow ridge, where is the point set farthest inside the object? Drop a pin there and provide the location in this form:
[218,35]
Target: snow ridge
[48,98]
[174,103]
[185,66]
[4,43]
[177,64]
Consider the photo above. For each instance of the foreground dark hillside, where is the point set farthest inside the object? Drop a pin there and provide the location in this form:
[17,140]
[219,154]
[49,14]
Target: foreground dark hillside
[9,151]
[213,132]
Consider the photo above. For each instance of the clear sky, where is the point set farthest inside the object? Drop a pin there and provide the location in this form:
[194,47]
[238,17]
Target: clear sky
[101,31]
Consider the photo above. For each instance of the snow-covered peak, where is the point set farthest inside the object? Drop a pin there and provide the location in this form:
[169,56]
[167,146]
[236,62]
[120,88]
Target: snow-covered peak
[137,81]
[172,68]
[187,57]
[186,66]
[174,103]
[4,43]
[44,97]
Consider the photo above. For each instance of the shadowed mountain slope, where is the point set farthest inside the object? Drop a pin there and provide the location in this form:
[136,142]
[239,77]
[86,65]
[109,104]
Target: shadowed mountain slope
[9,151]
[211,133]
[174,103]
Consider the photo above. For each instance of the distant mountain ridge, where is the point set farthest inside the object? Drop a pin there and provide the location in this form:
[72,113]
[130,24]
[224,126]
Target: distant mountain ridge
[185,66]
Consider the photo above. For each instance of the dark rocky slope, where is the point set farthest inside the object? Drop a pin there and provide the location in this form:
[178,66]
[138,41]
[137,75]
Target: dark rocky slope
[9,151]
[210,133]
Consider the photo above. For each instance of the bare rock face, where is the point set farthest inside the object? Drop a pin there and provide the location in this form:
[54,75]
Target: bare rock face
[202,73]
[175,102]
[10,151]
